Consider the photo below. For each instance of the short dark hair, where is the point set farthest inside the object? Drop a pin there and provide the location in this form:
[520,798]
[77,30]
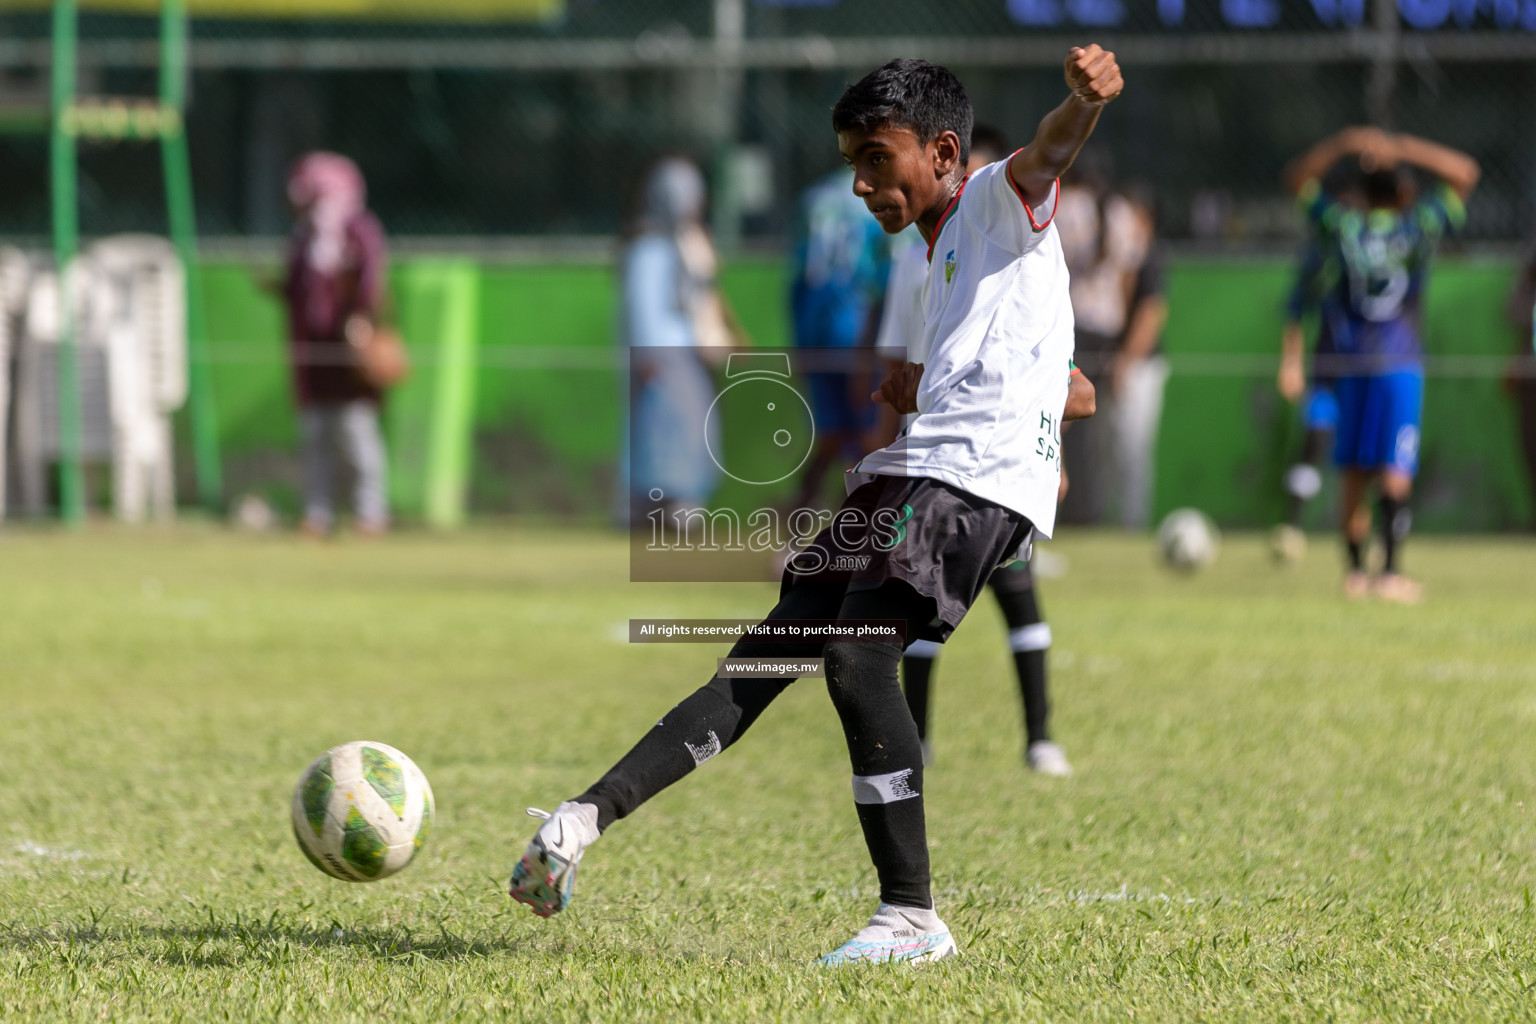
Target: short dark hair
[924,98]
[989,140]
[1383,187]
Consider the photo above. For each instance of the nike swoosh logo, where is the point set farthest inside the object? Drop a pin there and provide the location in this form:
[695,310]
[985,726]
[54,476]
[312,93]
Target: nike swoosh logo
[560,843]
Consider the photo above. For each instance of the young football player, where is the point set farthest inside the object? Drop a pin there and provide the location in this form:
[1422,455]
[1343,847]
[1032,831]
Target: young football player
[1029,635]
[1383,251]
[929,517]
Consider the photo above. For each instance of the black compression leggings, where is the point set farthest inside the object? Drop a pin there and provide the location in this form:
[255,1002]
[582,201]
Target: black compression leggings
[883,746]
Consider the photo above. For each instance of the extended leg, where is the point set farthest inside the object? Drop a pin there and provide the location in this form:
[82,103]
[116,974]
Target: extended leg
[707,722]
[710,719]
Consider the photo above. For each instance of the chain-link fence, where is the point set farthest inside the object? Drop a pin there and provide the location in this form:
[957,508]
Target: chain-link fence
[533,124]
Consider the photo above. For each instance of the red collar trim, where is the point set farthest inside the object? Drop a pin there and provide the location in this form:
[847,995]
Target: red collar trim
[944,217]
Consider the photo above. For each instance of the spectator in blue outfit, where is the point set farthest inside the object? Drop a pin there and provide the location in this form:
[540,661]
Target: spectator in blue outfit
[672,317]
[1383,252]
[840,263]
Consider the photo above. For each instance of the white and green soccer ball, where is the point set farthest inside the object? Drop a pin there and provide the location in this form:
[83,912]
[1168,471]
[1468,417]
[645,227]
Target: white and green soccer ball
[1188,540]
[362,811]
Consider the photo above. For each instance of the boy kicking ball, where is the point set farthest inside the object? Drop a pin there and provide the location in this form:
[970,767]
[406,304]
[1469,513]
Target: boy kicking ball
[971,481]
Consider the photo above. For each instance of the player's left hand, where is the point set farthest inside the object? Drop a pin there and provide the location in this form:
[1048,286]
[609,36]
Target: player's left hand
[900,389]
[1092,74]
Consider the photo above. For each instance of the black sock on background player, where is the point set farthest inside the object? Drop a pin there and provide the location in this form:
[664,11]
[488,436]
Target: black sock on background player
[1396,521]
[1028,638]
[1354,549]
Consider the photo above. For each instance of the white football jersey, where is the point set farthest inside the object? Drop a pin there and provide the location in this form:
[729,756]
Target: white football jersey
[996,339]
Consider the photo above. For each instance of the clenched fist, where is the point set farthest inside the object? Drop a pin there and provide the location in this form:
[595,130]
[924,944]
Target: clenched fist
[1092,74]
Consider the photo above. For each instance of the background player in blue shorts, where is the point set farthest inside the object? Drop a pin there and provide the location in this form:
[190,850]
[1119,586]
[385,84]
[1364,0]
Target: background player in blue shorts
[1383,251]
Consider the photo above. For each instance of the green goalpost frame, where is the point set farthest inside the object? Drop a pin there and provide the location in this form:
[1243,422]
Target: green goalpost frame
[63,195]
[183,223]
[64,128]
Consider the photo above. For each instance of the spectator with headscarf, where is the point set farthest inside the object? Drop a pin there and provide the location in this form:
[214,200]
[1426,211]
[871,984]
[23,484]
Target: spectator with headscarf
[670,316]
[335,291]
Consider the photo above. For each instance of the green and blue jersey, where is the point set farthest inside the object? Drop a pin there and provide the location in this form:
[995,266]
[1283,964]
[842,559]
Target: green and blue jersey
[841,261]
[1382,258]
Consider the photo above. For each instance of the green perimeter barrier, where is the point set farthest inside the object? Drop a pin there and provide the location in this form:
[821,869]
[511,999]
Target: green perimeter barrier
[428,419]
[514,402]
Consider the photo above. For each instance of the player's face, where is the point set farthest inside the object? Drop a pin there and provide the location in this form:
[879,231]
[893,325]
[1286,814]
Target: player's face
[898,177]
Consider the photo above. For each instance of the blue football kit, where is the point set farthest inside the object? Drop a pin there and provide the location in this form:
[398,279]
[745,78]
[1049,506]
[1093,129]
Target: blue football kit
[1383,258]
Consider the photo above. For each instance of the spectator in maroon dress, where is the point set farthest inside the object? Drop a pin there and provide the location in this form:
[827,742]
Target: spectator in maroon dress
[335,286]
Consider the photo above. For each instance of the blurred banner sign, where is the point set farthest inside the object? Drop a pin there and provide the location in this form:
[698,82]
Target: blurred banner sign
[401,10]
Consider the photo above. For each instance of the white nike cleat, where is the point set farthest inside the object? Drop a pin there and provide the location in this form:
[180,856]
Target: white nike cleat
[1047,758]
[896,935]
[544,877]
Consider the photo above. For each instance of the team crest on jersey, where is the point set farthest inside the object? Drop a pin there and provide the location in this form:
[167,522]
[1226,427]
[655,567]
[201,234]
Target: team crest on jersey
[949,267]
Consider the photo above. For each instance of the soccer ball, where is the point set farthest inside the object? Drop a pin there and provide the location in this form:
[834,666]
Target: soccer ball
[1188,540]
[362,811]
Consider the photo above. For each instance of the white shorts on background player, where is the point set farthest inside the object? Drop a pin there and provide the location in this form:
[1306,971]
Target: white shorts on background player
[996,332]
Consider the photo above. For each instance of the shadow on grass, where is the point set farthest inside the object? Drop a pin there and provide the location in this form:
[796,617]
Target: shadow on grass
[226,944]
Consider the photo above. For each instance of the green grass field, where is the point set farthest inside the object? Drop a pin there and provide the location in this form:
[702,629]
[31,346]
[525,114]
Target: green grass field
[1286,807]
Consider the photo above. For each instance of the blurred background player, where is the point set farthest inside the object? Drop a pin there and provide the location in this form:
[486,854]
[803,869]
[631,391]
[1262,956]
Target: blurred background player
[672,317]
[1029,635]
[335,282]
[839,265]
[1383,253]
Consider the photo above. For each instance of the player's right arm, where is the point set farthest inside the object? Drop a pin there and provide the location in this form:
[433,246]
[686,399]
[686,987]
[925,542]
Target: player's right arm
[1094,78]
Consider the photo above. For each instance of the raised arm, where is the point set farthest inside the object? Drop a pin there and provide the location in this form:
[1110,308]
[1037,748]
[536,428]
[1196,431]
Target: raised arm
[1366,142]
[1378,149]
[1451,166]
[1094,78]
